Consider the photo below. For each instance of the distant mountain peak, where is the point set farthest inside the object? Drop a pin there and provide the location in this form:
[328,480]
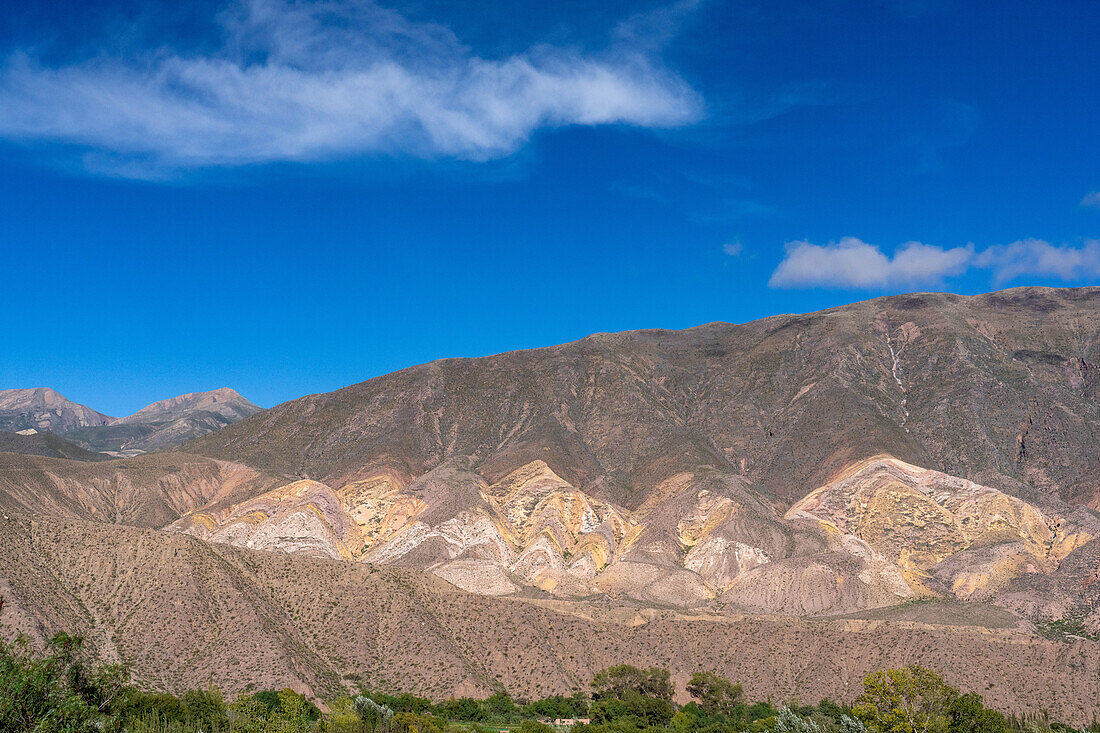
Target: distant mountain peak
[224,401]
[42,408]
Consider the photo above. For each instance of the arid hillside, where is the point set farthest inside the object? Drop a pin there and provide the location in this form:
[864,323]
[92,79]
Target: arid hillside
[33,443]
[145,491]
[188,613]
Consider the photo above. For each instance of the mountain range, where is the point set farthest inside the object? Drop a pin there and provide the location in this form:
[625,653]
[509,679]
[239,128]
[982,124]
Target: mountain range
[158,426]
[791,501]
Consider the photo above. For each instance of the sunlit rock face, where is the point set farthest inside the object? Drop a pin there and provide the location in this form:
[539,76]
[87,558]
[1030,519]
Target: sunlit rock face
[532,525]
[927,523]
[304,516]
[882,532]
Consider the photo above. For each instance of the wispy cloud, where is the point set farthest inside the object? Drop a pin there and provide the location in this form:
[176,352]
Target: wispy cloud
[1091,200]
[854,264]
[300,81]
[1043,259]
[733,249]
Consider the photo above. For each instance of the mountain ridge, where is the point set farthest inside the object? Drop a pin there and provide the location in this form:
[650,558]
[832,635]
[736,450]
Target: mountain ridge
[157,426]
[224,401]
[709,342]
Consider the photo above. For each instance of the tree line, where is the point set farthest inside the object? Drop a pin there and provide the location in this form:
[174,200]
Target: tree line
[55,691]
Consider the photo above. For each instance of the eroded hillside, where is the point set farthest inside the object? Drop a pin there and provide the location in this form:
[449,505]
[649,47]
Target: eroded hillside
[883,532]
[187,613]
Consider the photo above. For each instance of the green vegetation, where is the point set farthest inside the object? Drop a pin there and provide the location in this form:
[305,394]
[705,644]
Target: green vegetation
[55,692]
[1068,628]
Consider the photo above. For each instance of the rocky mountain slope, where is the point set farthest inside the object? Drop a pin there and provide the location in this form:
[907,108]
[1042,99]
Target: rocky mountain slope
[916,446]
[167,423]
[33,443]
[225,402]
[1000,389]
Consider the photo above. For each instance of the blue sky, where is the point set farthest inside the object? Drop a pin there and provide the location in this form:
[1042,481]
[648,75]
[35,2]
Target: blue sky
[289,197]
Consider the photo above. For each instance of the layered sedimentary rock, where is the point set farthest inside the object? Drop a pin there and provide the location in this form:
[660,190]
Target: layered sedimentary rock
[183,613]
[942,532]
[884,531]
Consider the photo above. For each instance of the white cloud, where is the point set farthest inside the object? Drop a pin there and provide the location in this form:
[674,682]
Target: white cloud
[1092,200]
[852,263]
[733,249]
[316,80]
[1043,259]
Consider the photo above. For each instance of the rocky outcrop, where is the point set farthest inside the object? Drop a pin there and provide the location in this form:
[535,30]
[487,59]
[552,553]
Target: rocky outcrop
[941,531]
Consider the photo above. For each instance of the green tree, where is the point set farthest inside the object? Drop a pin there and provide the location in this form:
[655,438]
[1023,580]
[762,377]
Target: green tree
[643,710]
[248,715]
[614,681]
[45,693]
[681,722]
[499,706]
[295,714]
[909,700]
[968,714]
[464,708]
[416,723]
[205,709]
[715,694]
[374,715]
[344,718]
